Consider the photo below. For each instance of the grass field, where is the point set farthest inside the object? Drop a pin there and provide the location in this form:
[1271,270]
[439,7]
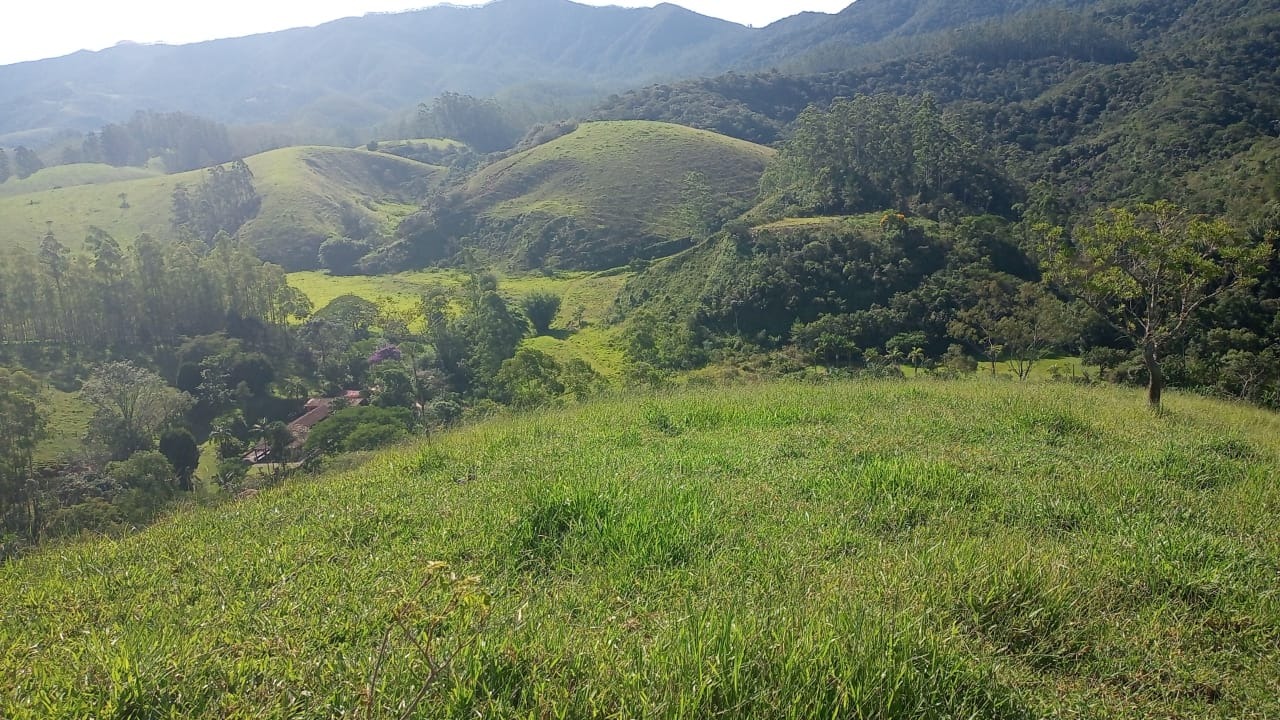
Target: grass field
[304,192]
[62,176]
[921,549]
[607,192]
[617,172]
[67,422]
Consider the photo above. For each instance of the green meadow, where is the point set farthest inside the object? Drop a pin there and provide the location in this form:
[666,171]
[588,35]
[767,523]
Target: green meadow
[591,294]
[844,549]
[67,423]
[305,192]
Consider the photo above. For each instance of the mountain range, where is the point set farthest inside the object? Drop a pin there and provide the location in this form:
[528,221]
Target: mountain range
[356,72]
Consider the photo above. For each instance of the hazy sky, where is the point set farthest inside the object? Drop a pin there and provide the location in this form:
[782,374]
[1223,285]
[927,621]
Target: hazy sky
[37,29]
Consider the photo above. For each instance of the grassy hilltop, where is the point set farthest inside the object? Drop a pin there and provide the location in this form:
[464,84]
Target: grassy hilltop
[606,193]
[846,549]
[305,191]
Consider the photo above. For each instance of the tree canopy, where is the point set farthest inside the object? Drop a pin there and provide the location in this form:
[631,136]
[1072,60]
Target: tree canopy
[1148,272]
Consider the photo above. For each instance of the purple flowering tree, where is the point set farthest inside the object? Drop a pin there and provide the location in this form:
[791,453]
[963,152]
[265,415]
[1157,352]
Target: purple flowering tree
[385,353]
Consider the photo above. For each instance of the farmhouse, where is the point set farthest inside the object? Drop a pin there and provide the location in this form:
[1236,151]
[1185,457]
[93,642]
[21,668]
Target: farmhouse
[313,413]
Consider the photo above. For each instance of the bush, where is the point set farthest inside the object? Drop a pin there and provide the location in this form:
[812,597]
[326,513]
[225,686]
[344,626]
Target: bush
[95,515]
[341,255]
[338,433]
[956,359]
[372,437]
[541,309]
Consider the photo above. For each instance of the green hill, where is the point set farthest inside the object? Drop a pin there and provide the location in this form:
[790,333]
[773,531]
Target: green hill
[61,176]
[598,197]
[308,193]
[845,549]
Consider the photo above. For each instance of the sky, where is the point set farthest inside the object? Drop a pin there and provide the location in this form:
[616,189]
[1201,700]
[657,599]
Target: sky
[38,29]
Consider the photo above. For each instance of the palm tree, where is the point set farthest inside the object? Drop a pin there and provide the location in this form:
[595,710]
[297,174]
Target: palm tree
[916,357]
[294,388]
[276,437]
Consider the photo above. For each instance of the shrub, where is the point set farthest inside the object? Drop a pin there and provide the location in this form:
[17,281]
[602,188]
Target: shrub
[541,309]
[372,437]
[336,433]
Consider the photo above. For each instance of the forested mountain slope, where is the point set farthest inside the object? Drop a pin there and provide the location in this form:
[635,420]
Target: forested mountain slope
[355,72]
[1102,101]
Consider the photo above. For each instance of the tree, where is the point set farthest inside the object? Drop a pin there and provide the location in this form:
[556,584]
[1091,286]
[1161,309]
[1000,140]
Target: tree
[222,203]
[1037,322]
[255,370]
[482,124]
[1008,318]
[351,312]
[917,358]
[541,309]
[393,387]
[131,405]
[228,434]
[340,254]
[471,345]
[25,162]
[21,428]
[834,349]
[147,479]
[276,436]
[1147,272]
[182,452]
[529,379]
[581,380]
[359,428]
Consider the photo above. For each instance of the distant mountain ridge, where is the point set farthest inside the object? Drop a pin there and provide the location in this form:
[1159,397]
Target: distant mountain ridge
[356,71]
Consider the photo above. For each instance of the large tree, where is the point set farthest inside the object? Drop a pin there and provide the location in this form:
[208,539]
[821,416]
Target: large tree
[1149,270]
[25,162]
[131,406]
[21,428]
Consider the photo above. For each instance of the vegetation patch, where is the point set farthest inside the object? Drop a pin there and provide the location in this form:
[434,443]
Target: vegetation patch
[795,550]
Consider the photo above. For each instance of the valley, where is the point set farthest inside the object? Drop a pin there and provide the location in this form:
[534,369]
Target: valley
[545,360]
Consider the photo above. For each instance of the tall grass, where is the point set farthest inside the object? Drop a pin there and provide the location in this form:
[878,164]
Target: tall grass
[849,550]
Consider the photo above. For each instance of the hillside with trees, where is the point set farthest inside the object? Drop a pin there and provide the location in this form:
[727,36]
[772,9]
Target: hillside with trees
[285,203]
[921,360]
[1091,103]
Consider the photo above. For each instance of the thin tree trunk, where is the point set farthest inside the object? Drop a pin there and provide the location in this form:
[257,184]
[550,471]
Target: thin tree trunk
[1155,379]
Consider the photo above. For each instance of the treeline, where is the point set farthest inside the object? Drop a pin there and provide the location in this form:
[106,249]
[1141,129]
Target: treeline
[183,142]
[25,163]
[875,292]
[147,294]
